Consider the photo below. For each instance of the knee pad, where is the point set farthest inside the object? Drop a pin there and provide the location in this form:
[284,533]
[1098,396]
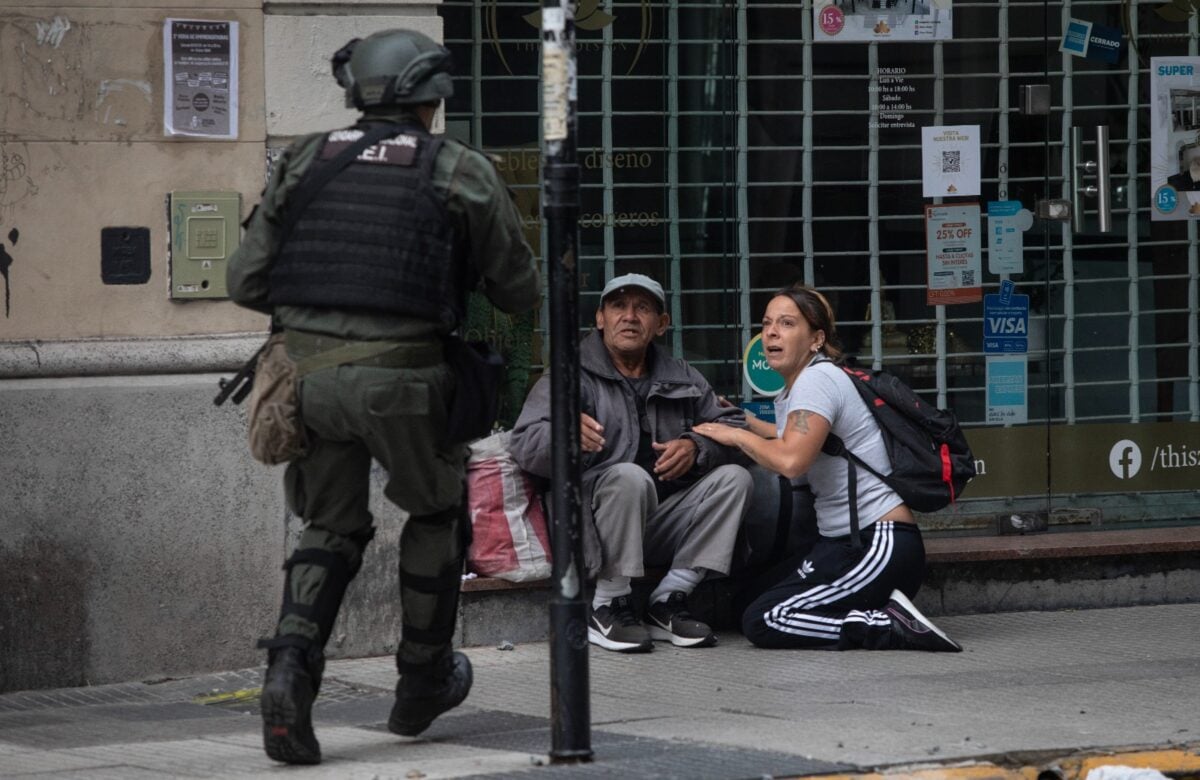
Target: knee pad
[323,609]
[431,623]
[454,518]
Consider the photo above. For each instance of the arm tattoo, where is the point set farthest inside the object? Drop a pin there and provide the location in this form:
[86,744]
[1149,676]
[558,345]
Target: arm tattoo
[799,420]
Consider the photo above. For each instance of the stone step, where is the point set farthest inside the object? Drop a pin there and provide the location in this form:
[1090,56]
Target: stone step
[964,575]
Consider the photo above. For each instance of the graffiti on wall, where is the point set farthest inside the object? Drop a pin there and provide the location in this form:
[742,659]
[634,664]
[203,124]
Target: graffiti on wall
[16,181]
[51,33]
[58,68]
[15,185]
[46,73]
[6,261]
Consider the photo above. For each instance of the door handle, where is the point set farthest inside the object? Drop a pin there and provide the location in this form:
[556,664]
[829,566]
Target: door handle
[1097,168]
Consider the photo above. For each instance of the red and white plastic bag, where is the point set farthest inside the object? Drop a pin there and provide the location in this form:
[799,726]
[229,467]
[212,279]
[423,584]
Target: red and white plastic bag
[511,539]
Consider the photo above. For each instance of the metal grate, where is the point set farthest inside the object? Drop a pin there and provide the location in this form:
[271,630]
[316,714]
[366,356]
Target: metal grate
[728,153]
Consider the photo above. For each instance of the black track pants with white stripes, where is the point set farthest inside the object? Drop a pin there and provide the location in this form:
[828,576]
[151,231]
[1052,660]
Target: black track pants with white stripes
[833,598]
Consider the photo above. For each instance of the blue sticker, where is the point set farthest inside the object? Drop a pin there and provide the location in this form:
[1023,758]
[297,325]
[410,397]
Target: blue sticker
[763,410]
[1075,40]
[1005,323]
[1007,221]
[1006,384]
[1165,199]
[1104,44]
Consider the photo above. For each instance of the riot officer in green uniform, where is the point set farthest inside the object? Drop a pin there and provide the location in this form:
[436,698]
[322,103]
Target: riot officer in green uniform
[366,277]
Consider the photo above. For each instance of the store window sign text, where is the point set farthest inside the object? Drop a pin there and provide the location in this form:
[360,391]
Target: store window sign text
[507,160]
[954,232]
[1104,457]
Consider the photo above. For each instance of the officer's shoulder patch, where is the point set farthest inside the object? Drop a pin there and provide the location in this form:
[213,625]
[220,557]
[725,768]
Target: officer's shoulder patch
[399,150]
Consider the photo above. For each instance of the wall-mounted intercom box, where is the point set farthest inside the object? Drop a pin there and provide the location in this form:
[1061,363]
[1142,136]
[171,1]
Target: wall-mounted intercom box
[205,228]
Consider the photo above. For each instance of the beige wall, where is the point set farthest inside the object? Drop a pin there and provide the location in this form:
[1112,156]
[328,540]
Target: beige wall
[138,537]
[301,95]
[84,148]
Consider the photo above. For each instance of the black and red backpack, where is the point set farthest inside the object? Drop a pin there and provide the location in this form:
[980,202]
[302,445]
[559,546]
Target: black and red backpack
[931,461]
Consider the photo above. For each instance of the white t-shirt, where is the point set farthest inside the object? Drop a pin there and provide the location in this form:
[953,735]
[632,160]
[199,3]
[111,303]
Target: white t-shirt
[824,388]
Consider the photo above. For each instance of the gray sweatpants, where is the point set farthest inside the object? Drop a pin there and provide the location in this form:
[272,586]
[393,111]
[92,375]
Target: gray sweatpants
[694,528]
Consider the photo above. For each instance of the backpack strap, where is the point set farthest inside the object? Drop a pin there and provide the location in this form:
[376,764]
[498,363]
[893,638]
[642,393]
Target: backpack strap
[852,490]
[837,448]
[783,523]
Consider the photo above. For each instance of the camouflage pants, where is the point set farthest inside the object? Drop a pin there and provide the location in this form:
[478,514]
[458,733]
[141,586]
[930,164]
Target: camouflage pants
[396,415]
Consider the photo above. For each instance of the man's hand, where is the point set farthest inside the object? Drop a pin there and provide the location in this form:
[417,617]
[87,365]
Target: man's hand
[591,434]
[675,458]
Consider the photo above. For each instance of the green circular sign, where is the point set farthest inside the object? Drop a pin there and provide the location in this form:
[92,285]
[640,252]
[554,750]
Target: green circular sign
[763,379]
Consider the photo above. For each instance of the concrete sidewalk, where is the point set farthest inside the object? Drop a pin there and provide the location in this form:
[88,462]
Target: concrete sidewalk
[1030,690]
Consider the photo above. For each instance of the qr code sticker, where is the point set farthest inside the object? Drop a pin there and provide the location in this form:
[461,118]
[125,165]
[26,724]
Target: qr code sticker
[952,162]
[968,278]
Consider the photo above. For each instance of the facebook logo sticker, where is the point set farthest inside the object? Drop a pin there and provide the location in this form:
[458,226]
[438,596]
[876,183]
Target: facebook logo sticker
[1125,459]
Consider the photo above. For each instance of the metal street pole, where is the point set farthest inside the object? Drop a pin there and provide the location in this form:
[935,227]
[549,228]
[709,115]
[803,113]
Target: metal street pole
[570,710]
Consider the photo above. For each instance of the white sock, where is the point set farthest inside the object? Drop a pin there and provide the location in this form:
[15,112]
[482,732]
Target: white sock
[612,588]
[682,580]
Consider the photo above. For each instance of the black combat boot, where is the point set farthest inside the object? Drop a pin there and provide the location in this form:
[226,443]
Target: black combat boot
[289,689]
[422,695]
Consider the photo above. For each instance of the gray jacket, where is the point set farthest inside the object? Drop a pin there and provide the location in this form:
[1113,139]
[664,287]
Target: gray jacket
[680,397]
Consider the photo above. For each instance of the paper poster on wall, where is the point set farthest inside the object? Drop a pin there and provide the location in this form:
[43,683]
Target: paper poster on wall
[1007,223]
[200,71]
[1007,389]
[882,20]
[950,161]
[893,95]
[952,254]
[1174,138]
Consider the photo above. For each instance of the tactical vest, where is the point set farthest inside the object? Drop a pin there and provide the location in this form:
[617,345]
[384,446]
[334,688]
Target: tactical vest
[377,236]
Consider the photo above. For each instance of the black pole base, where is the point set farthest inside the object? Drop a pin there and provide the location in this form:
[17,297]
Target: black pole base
[571,739]
[571,757]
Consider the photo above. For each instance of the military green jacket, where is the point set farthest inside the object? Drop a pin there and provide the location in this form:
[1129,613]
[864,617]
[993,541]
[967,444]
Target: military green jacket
[487,231]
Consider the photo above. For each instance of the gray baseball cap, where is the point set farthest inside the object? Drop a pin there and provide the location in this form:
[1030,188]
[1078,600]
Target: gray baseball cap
[635,280]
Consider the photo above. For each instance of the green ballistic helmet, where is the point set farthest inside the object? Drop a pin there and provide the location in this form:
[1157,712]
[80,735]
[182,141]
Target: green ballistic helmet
[393,68]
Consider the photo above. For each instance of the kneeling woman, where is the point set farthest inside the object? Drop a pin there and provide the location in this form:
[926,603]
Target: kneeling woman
[840,594]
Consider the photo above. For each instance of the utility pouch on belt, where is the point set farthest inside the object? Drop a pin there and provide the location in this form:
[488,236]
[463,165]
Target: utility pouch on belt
[273,409]
[478,371]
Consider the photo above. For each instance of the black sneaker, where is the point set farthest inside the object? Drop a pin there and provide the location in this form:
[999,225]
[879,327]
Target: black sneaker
[671,622]
[913,631]
[421,697]
[613,626]
[288,691]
